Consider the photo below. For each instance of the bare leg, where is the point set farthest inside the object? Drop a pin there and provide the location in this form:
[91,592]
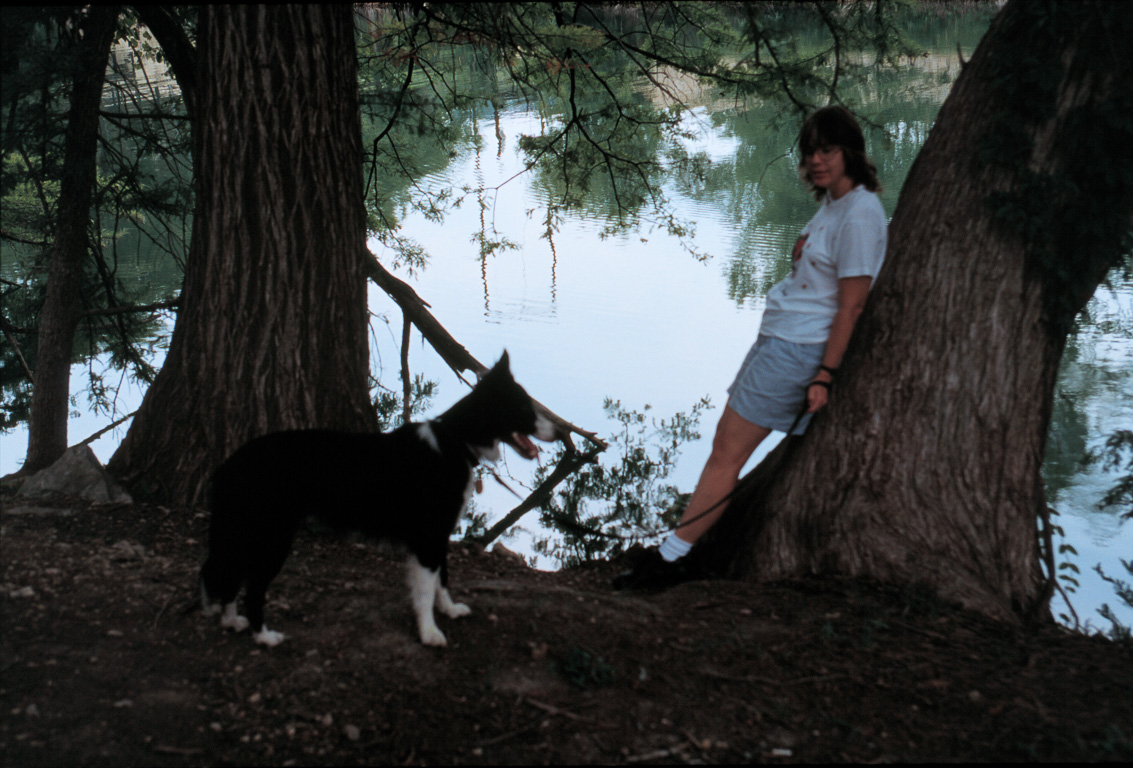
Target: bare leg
[736,439]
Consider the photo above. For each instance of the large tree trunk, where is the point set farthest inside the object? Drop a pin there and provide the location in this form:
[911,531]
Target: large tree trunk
[926,467]
[272,332]
[50,404]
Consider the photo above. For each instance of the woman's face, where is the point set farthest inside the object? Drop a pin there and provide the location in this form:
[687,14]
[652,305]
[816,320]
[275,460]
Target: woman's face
[826,167]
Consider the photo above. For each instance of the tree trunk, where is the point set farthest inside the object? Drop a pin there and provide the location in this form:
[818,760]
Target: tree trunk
[50,405]
[926,467]
[272,332]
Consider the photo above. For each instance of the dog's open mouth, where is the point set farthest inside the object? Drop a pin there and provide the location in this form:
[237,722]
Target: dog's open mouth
[545,430]
[523,446]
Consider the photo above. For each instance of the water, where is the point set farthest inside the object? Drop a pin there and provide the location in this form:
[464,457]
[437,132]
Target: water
[636,318]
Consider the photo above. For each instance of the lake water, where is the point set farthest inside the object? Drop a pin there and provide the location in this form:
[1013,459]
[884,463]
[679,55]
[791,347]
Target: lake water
[636,318]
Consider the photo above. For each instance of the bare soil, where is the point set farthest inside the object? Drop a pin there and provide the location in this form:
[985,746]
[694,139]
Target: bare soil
[103,662]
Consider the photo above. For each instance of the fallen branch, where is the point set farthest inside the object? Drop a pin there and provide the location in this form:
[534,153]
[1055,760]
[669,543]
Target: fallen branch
[571,462]
[550,709]
[451,351]
[106,429]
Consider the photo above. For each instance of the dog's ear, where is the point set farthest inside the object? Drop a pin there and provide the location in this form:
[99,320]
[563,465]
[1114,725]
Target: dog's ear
[500,369]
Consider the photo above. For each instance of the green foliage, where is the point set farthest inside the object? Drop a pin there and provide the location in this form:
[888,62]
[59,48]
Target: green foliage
[389,405]
[1118,454]
[849,42]
[430,73]
[604,507]
[1111,456]
[1118,449]
[610,84]
[1064,571]
[1118,631]
[472,525]
[29,197]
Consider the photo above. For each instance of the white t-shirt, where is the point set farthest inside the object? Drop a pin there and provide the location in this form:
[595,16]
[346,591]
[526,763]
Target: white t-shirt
[846,238]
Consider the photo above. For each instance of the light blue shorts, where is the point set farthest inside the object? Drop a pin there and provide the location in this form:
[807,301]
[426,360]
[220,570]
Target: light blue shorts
[770,389]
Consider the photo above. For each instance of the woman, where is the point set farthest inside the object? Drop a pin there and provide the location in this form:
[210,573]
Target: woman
[806,326]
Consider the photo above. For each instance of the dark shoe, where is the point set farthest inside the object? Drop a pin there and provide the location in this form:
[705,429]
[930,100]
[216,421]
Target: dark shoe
[652,572]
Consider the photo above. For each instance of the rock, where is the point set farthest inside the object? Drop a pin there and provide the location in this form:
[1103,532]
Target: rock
[125,550]
[502,551]
[77,473]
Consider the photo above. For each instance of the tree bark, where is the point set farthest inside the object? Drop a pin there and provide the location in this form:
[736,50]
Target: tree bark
[272,332]
[926,466]
[58,320]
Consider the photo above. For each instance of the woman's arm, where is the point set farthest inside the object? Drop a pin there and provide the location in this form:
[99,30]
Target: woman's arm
[852,294]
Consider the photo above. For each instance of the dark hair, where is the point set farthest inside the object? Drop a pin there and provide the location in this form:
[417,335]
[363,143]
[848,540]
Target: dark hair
[837,126]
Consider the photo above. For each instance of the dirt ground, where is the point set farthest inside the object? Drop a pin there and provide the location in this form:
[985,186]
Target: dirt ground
[101,663]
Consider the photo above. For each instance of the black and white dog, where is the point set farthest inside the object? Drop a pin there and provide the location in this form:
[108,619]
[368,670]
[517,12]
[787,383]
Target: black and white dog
[409,486]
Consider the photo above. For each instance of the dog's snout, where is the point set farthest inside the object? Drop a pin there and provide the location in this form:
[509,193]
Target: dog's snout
[546,429]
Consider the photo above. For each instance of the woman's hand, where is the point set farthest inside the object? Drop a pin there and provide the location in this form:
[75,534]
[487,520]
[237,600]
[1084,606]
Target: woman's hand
[818,392]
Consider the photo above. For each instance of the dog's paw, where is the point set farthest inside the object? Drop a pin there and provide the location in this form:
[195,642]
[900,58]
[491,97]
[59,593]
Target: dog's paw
[433,636]
[448,607]
[234,621]
[456,610]
[269,637]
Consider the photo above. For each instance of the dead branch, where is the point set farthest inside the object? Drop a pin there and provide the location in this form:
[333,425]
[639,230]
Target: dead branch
[107,428]
[16,348]
[451,351]
[571,462]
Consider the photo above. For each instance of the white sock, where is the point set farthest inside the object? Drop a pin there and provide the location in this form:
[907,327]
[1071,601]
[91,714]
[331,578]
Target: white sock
[674,548]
